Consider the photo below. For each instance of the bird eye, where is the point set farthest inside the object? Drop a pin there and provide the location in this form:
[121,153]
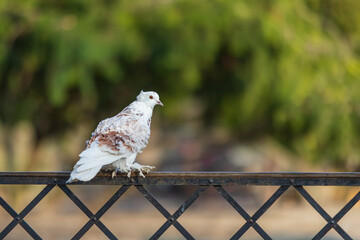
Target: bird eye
[151,97]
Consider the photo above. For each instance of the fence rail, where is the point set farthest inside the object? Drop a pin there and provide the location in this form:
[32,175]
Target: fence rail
[203,180]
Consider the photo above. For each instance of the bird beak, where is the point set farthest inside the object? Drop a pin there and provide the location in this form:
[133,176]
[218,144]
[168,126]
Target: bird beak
[160,103]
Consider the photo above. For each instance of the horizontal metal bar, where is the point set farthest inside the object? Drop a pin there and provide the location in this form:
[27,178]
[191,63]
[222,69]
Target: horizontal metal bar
[192,178]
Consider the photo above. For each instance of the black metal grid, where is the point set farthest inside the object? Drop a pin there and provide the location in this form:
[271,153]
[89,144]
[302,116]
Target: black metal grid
[203,180]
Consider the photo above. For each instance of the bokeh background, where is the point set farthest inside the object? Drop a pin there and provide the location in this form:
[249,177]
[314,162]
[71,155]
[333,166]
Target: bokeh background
[247,85]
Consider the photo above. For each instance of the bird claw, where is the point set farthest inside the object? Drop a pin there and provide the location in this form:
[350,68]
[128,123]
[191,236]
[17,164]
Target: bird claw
[141,169]
[106,170]
[141,174]
[147,169]
[114,172]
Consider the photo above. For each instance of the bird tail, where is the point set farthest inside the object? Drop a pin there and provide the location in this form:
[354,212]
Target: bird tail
[86,175]
[90,163]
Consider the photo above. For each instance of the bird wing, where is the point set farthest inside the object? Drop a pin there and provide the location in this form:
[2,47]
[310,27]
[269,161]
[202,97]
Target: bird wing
[114,142]
[126,132]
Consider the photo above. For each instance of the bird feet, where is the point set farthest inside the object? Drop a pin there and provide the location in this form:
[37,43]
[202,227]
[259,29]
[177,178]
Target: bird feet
[110,170]
[107,170]
[135,167]
[118,170]
[113,173]
[141,169]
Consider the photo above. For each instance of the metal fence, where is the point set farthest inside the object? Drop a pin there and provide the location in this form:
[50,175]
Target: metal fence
[203,180]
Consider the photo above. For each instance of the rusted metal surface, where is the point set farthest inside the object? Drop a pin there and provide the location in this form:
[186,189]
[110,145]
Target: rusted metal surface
[204,180]
[192,178]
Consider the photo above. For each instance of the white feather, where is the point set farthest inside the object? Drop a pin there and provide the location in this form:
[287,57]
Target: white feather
[93,156]
[83,176]
[91,161]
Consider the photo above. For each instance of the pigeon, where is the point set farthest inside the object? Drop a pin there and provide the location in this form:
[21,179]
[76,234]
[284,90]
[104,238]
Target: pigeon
[116,141]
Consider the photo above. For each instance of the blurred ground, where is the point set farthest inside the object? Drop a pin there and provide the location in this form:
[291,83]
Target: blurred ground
[210,217]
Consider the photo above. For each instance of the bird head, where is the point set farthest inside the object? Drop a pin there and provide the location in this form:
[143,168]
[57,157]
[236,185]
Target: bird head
[150,98]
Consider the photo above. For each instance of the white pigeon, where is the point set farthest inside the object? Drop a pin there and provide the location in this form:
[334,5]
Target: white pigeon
[117,140]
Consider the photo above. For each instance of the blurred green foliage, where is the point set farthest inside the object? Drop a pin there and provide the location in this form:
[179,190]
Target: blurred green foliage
[285,69]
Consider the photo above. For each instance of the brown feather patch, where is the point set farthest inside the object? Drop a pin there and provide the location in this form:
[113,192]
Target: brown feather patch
[113,140]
